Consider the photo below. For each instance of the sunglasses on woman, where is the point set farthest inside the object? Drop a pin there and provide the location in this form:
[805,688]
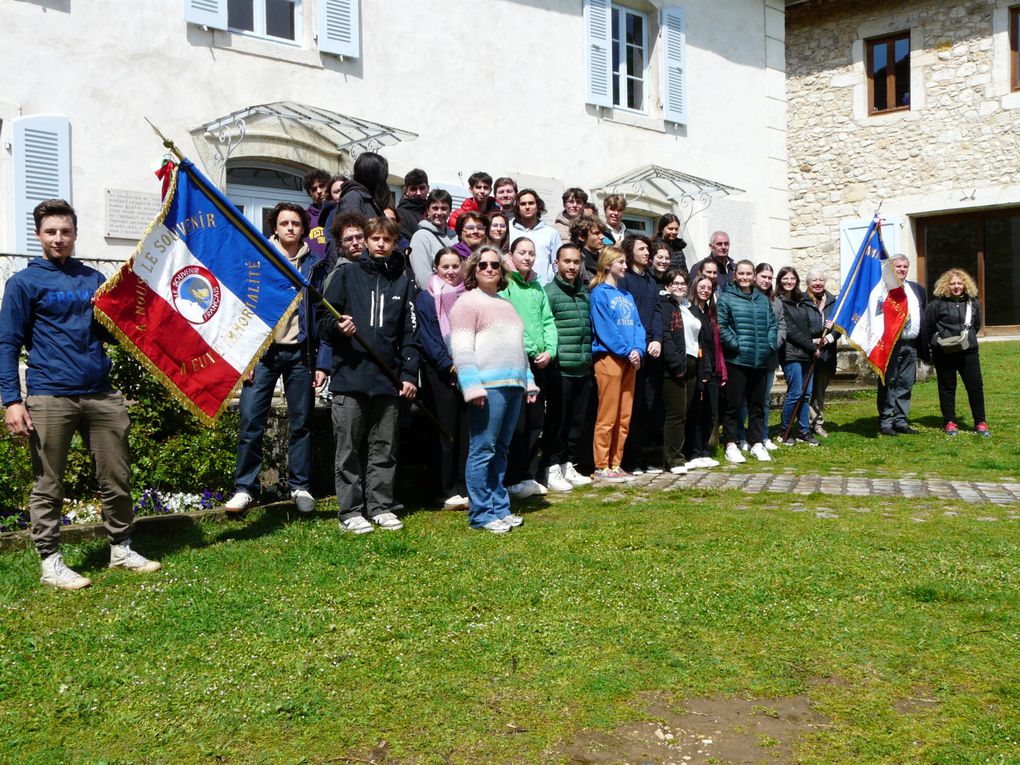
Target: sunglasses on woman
[485,265]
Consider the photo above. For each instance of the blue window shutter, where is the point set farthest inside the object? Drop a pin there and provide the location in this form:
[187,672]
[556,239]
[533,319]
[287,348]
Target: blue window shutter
[598,33]
[339,27]
[42,170]
[206,13]
[673,39]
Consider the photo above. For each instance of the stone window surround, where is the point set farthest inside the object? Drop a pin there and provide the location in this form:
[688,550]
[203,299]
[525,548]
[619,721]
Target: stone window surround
[1014,47]
[889,41]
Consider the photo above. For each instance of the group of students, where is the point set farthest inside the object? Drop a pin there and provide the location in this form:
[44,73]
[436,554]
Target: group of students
[551,355]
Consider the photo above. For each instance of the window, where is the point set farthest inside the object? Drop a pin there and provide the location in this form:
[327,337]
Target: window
[41,148]
[1014,47]
[255,188]
[888,66]
[275,19]
[630,58]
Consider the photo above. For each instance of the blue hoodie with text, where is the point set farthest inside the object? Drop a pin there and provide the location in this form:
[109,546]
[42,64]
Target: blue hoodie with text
[615,323]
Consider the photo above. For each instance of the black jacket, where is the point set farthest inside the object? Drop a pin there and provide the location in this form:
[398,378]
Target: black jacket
[803,324]
[645,291]
[946,316]
[378,296]
[706,346]
[677,257]
[410,212]
[674,344]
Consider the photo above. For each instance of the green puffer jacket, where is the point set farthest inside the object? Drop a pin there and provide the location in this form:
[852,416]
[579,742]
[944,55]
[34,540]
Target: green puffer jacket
[531,304]
[569,304]
[747,327]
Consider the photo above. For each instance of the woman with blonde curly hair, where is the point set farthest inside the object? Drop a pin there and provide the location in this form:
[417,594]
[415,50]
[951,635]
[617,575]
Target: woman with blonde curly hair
[954,318]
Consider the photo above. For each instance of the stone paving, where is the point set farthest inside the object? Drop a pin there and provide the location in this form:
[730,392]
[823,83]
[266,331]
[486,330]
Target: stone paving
[853,484]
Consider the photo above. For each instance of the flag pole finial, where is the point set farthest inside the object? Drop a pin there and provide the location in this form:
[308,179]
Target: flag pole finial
[167,143]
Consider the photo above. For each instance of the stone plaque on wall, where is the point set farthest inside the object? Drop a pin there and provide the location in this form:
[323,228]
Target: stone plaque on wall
[129,213]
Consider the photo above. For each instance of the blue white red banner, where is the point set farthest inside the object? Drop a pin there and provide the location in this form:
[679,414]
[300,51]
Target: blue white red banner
[872,305]
[198,301]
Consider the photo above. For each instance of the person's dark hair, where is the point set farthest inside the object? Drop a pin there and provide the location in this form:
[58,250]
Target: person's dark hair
[467,217]
[538,201]
[479,177]
[274,214]
[567,246]
[438,195]
[505,181]
[384,225]
[581,226]
[310,179]
[628,247]
[444,251]
[518,240]
[333,181]
[347,220]
[578,194]
[58,207]
[692,293]
[592,209]
[506,234]
[795,294]
[416,177]
[664,221]
[372,171]
[672,273]
[760,268]
[471,267]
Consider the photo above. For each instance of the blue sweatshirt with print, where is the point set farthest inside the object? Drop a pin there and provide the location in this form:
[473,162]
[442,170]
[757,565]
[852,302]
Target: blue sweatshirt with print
[616,326]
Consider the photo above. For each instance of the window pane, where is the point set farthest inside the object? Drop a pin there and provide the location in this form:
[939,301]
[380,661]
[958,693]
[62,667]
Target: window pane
[1015,42]
[879,75]
[616,89]
[616,26]
[1001,300]
[280,19]
[635,61]
[635,29]
[635,94]
[241,15]
[902,72]
[949,245]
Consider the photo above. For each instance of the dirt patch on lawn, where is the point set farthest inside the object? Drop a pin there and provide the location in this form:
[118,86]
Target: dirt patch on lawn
[703,732]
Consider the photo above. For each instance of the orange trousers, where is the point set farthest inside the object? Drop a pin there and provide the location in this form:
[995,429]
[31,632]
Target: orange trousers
[615,379]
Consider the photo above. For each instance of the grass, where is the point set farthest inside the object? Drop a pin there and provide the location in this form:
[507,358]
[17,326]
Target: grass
[281,641]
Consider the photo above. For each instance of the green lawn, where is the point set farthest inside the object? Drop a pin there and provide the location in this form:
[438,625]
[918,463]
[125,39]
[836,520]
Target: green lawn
[278,640]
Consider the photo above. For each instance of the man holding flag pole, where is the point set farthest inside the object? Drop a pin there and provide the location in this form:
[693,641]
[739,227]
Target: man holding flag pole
[882,315]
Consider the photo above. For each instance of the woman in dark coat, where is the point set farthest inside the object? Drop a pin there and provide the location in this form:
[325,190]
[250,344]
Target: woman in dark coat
[797,355]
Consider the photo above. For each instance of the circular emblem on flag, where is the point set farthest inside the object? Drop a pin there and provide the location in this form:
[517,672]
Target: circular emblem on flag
[196,294]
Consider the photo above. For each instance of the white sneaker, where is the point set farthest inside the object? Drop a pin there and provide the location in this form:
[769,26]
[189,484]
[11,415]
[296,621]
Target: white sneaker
[122,556]
[356,525]
[387,522]
[571,474]
[708,462]
[678,470]
[744,446]
[694,464]
[513,521]
[733,454]
[523,490]
[769,444]
[760,453]
[556,481]
[456,502]
[240,501]
[653,471]
[637,471]
[498,526]
[305,501]
[540,490]
[56,574]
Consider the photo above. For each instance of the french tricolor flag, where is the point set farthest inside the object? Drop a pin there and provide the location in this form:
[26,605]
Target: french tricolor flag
[871,309]
[198,301]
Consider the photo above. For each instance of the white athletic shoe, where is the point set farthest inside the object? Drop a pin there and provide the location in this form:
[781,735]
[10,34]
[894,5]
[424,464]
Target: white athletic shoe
[760,453]
[387,522]
[733,454]
[498,526]
[304,501]
[708,462]
[239,502]
[571,474]
[556,480]
[456,502]
[769,444]
[513,521]
[56,574]
[678,470]
[122,556]
[523,490]
[356,525]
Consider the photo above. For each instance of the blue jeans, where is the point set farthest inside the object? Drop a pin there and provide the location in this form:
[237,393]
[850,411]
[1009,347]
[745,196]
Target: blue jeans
[285,361]
[490,429]
[794,372]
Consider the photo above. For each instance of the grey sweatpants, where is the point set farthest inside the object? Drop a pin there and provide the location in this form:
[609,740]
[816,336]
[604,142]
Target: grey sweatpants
[354,417]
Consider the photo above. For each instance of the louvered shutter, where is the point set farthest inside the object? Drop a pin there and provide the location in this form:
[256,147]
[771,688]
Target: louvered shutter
[339,27]
[598,31]
[851,235]
[42,170]
[673,39]
[206,13]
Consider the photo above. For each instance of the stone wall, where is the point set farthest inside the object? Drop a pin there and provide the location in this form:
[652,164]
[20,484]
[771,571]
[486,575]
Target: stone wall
[961,133]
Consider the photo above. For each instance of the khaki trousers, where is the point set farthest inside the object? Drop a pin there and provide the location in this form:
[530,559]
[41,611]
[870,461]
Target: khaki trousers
[615,379]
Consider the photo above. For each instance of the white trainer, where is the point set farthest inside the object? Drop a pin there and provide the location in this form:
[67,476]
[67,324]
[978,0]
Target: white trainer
[122,556]
[56,574]
[513,521]
[653,471]
[769,444]
[498,526]
[356,525]
[760,453]
[556,480]
[540,490]
[571,474]
[733,454]
[708,462]
[304,501]
[678,470]
[523,490]
[240,501]
[456,502]
[694,464]
[387,522]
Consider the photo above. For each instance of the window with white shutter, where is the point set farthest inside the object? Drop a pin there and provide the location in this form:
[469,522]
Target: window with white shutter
[206,13]
[598,28]
[41,146]
[673,41]
[339,27]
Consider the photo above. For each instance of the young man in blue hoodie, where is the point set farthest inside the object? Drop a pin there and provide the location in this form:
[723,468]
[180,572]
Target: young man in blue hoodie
[47,309]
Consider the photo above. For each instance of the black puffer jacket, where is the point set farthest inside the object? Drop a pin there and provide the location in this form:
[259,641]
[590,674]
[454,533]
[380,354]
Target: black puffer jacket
[378,296]
[828,308]
[946,316]
[803,325]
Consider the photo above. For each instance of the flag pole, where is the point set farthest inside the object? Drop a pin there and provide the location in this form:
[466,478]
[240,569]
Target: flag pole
[315,295]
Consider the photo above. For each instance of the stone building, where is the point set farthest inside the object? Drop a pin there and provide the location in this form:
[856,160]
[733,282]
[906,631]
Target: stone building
[914,105]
